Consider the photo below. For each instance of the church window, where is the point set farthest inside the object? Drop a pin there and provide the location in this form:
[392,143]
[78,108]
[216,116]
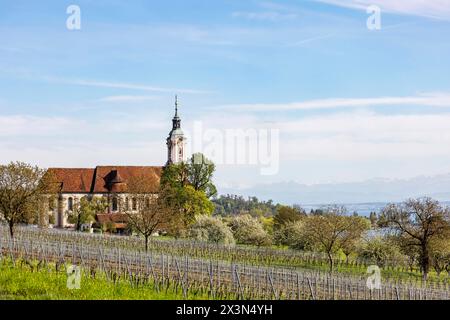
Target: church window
[134,204]
[70,204]
[114,204]
[127,204]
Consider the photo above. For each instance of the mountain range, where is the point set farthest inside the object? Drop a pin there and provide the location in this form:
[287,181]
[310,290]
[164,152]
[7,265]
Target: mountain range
[369,191]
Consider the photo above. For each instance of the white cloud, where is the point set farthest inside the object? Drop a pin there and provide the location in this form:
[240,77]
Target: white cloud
[265,15]
[127,98]
[365,135]
[345,146]
[271,12]
[437,9]
[20,125]
[308,40]
[350,145]
[123,85]
[431,99]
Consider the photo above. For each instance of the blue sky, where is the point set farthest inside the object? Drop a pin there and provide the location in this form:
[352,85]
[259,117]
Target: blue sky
[350,103]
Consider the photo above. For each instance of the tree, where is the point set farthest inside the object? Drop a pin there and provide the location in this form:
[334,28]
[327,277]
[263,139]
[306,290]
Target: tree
[248,230]
[187,203]
[353,236]
[440,254]
[333,230]
[380,250]
[373,219]
[175,175]
[286,215]
[236,205]
[186,187]
[210,229]
[85,210]
[150,213]
[196,172]
[418,222]
[200,171]
[293,235]
[23,189]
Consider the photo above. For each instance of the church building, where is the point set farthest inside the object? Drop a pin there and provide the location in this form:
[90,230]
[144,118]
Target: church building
[110,182]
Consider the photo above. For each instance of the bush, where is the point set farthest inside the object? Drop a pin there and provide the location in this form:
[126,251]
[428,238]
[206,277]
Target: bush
[248,230]
[210,229]
[381,251]
[292,235]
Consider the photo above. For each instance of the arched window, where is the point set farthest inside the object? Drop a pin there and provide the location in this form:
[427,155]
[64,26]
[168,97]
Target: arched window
[134,204]
[70,204]
[127,204]
[147,203]
[114,204]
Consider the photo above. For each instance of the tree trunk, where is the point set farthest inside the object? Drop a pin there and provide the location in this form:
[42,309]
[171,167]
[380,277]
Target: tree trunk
[425,261]
[78,223]
[146,243]
[11,229]
[330,259]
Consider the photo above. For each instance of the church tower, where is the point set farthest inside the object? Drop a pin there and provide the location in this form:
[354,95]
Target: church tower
[176,140]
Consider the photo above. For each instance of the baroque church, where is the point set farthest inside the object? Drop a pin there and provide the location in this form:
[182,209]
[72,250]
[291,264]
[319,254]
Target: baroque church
[110,182]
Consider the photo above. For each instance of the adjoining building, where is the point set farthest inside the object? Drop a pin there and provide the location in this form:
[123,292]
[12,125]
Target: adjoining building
[110,182]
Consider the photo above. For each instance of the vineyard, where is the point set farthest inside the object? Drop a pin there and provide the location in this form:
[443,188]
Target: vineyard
[197,269]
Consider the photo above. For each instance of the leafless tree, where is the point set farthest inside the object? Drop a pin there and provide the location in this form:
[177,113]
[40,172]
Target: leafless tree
[333,230]
[148,213]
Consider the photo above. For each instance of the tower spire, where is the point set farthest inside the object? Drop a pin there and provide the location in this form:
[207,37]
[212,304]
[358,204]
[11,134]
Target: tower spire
[176,105]
[176,139]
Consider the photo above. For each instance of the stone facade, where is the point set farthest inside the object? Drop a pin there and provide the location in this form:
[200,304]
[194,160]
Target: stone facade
[110,182]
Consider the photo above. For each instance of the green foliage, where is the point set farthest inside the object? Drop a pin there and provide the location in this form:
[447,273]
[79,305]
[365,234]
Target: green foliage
[373,219]
[381,250]
[248,230]
[292,234]
[195,203]
[23,284]
[108,227]
[236,205]
[334,231]
[24,190]
[286,215]
[210,229]
[186,188]
[85,210]
[418,222]
[267,223]
[200,171]
[440,254]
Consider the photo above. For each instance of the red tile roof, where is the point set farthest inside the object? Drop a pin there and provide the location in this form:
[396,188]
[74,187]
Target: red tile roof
[73,180]
[103,179]
[112,217]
